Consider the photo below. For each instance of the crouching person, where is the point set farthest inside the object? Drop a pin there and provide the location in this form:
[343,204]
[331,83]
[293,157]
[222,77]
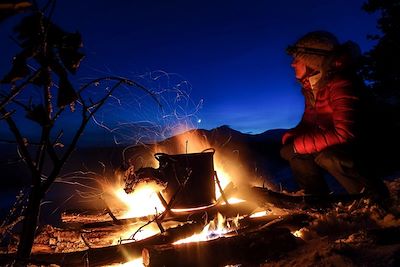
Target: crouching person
[333,133]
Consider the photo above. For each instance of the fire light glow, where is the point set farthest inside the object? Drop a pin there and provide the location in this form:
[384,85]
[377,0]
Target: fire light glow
[215,229]
[298,233]
[259,214]
[133,263]
[142,202]
[224,179]
[234,200]
[193,142]
[145,232]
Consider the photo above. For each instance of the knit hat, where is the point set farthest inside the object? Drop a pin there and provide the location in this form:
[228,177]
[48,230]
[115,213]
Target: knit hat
[314,48]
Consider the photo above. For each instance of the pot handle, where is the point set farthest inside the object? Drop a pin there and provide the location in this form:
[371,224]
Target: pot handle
[159,155]
[210,149]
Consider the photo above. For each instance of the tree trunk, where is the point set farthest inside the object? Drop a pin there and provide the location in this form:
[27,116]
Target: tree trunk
[29,225]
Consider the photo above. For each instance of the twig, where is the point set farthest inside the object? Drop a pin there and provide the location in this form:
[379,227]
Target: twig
[132,237]
[86,116]
[220,188]
[21,144]
[51,151]
[158,218]
[85,241]
[109,212]
[15,91]
[19,103]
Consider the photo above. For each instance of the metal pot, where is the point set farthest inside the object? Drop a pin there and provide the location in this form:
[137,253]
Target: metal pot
[192,174]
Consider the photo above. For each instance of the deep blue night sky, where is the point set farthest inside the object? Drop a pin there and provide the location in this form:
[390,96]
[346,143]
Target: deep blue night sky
[232,53]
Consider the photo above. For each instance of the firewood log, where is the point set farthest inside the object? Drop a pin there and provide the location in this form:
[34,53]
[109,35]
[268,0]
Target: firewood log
[112,254]
[265,196]
[250,248]
[232,210]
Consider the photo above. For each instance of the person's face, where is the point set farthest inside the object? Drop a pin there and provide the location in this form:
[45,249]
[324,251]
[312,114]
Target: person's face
[299,68]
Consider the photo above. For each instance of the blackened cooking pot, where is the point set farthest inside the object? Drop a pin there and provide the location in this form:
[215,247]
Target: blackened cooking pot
[192,174]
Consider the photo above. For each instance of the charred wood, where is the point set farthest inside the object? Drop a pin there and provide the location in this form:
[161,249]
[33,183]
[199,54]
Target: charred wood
[111,254]
[293,222]
[249,248]
[385,236]
[232,210]
[265,196]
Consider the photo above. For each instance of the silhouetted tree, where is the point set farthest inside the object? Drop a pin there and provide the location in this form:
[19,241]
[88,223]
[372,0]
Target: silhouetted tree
[381,71]
[48,56]
[381,68]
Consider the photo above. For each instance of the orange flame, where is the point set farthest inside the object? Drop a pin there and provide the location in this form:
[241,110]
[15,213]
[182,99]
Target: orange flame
[132,263]
[259,214]
[215,229]
[193,142]
[142,202]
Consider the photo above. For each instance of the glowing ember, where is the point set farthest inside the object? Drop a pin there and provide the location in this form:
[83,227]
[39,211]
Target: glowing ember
[133,263]
[127,235]
[234,200]
[298,233]
[215,229]
[191,209]
[258,214]
[142,202]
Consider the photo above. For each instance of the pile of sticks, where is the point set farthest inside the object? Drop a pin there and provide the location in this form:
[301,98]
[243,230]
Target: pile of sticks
[254,241]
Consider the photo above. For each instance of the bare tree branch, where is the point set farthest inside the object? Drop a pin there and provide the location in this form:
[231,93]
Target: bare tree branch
[87,114]
[124,80]
[15,91]
[51,151]
[21,144]
[15,6]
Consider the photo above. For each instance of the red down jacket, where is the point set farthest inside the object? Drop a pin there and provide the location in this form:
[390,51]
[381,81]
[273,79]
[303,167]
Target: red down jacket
[332,118]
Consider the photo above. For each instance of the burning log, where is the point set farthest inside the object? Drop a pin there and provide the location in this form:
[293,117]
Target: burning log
[111,254]
[250,248]
[292,221]
[232,210]
[80,217]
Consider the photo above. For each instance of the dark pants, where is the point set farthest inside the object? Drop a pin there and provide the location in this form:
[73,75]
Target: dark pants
[342,161]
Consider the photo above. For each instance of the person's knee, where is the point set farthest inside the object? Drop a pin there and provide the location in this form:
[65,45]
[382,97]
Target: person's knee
[325,159]
[331,158]
[287,151]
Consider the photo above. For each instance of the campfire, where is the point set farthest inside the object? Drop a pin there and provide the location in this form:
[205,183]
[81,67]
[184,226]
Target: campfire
[187,211]
[186,187]
[187,208]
